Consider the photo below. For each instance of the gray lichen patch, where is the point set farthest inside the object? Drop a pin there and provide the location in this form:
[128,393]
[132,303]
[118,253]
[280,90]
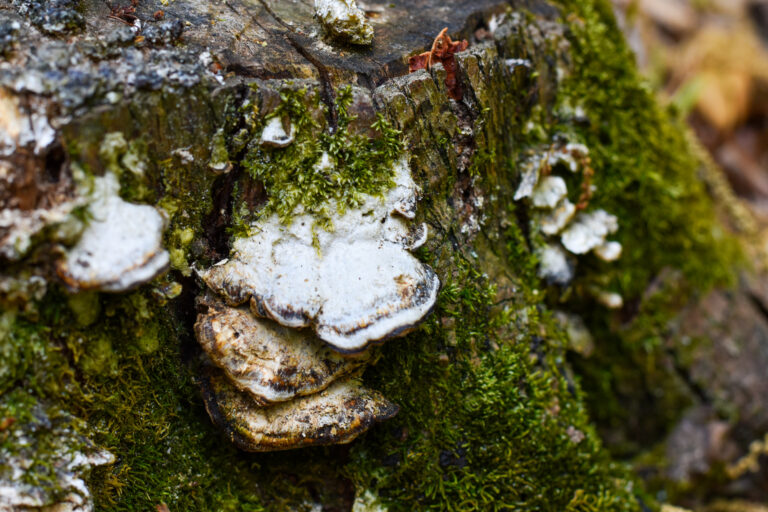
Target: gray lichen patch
[54,17]
[120,248]
[44,463]
[336,415]
[270,362]
[355,285]
[345,21]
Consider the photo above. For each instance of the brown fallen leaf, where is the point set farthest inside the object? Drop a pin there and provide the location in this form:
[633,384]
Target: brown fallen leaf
[443,51]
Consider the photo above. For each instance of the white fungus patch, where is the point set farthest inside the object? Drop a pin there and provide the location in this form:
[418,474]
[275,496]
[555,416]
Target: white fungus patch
[120,248]
[18,228]
[354,284]
[555,220]
[554,265]
[609,251]
[67,465]
[368,501]
[274,134]
[580,232]
[549,192]
[345,21]
[588,231]
[611,300]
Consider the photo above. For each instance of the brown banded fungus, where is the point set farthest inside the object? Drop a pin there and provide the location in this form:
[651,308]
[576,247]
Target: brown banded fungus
[270,382]
[336,415]
[270,362]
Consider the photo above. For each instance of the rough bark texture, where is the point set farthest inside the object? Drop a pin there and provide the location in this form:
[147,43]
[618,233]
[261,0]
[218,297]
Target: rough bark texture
[491,389]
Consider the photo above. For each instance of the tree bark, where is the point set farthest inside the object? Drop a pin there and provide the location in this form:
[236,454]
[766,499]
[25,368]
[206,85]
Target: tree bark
[521,391]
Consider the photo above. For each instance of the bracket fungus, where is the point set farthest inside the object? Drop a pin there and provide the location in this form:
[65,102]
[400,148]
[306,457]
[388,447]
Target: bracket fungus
[336,415]
[355,285]
[579,232]
[344,20]
[120,248]
[588,232]
[274,134]
[270,362]
[268,381]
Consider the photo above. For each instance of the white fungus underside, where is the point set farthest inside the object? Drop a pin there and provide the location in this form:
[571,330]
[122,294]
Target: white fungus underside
[335,415]
[275,135]
[120,248]
[554,221]
[554,265]
[360,286]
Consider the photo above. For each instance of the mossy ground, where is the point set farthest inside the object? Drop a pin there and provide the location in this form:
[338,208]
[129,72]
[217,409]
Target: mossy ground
[491,415]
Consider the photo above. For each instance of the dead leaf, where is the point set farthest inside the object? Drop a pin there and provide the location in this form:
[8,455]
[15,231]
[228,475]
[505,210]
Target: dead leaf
[443,51]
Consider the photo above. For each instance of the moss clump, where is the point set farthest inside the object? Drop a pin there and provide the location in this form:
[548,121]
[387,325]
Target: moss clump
[675,249]
[293,176]
[498,425]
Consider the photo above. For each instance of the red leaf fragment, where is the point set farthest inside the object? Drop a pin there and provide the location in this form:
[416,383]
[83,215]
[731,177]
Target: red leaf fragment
[443,51]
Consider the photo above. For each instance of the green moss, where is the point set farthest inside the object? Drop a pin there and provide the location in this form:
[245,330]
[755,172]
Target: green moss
[675,248]
[489,429]
[85,306]
[293,176]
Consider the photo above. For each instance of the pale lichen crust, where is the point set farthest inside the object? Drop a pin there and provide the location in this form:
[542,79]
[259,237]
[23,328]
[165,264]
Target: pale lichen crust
[270,362]
[354,285]
[67,464]
[345,21]
[336,415]
[120,248]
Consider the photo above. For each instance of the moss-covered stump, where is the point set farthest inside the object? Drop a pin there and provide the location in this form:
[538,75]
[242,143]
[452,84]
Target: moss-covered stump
[523,373]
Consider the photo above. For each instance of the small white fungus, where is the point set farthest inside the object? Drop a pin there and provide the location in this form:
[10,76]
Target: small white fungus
[588,231]
[120,248]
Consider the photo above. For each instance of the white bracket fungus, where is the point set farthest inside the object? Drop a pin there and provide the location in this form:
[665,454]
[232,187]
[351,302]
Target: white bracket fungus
[355,285]
[554,221]
[267,360]
[580,232]
[588,231]
[554,265]
[344,20]
[274,387]
[609,251]
[549,192]
[120,248]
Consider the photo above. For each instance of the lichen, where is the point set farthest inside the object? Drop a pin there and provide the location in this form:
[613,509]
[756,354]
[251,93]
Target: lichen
[345,21]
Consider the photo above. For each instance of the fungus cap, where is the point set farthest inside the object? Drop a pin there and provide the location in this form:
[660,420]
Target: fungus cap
[588,231]
[120,248]
[270,362]
[355,285]
[336,415]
